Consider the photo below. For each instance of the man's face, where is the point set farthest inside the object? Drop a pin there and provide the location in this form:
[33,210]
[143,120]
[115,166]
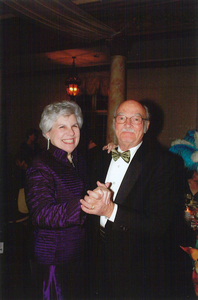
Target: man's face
[128,134]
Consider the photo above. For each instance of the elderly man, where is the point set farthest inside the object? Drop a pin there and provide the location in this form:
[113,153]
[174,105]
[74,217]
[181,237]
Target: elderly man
[139,219]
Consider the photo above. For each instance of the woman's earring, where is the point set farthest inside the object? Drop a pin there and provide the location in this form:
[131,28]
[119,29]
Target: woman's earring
[48,143]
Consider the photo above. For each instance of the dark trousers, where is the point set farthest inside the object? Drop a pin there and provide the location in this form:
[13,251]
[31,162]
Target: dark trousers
[170,281]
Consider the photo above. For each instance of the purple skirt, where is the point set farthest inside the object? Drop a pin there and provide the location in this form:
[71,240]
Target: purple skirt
[58,282]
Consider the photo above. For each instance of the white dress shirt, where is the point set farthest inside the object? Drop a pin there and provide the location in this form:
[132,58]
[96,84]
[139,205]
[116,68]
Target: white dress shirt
[115,175]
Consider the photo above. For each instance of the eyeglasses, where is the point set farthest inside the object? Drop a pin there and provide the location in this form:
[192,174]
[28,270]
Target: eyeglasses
[135,120]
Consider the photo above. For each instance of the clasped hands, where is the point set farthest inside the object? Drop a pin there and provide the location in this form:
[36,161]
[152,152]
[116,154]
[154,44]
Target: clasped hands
[99,201]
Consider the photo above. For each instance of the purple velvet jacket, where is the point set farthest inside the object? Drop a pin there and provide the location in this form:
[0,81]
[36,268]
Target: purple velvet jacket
[53,192]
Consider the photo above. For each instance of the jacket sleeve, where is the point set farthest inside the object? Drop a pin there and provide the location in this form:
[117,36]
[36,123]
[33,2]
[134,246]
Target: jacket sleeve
[46,211]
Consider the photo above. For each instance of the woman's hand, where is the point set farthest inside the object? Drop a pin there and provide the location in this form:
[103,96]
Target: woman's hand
[109,147]
[99,201]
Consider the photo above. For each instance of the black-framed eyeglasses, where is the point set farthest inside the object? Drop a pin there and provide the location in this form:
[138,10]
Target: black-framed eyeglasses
[135,120]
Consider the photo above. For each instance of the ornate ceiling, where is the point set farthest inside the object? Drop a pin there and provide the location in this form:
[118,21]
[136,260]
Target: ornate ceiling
[43,34]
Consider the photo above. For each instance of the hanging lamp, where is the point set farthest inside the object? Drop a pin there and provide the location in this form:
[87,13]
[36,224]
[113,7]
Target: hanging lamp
[73,83]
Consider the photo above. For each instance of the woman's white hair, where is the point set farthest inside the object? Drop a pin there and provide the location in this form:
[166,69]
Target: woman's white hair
[53,111]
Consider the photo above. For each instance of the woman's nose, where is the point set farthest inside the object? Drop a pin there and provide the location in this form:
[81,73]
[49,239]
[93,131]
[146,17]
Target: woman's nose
[70,131]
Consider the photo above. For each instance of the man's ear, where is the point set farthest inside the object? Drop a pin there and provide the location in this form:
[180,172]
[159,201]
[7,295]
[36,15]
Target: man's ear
[146,126]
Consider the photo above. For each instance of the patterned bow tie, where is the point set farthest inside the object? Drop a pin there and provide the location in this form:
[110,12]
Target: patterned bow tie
[125,155]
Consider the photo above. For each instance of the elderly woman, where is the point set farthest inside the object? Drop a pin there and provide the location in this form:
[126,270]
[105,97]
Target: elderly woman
[55,182]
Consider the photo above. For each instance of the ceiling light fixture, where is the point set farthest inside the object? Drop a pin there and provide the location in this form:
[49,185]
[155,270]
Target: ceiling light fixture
[73,83]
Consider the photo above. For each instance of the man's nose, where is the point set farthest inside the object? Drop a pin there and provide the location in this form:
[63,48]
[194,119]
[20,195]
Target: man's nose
[128,121]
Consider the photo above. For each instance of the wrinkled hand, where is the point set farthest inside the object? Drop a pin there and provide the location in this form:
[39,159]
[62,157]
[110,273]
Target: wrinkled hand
[109,147]
[98,202]
[103,190]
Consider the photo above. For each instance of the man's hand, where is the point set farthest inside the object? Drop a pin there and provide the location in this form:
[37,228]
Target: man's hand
[99,201]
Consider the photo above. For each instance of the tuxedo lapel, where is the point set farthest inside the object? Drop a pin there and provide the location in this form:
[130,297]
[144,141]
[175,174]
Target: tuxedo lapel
[106,159]
[131,176]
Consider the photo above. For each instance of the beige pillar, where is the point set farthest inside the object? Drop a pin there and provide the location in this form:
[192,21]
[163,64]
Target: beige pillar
[116,91]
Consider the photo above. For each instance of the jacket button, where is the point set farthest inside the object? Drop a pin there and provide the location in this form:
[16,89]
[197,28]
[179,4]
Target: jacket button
[124,228]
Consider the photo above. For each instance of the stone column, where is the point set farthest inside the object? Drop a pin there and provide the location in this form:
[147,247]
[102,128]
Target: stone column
[117,91]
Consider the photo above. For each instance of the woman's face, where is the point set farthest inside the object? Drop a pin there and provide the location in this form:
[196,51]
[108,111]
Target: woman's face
[65,133]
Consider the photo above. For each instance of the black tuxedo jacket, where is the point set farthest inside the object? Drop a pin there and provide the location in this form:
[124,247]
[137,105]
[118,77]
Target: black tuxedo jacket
[143,257]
